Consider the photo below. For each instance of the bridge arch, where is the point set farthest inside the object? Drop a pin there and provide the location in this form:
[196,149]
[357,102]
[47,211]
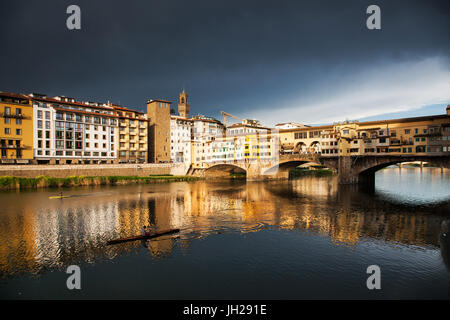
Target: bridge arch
[300,147]
[286,166]
[224,169]
[363,169]
[315,147]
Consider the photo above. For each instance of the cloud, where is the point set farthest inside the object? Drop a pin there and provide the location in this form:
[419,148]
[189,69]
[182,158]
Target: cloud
[378,89]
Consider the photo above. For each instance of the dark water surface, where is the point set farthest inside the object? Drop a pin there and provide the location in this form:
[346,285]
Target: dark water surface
[304,238]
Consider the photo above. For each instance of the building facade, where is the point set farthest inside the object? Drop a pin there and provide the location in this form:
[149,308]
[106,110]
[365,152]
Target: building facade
[16,129]
[133,135]
[428,135]
[180,139]
[70,132]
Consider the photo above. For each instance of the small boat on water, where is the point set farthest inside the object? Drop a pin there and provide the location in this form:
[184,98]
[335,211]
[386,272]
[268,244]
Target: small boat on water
[142,237]
[58,197]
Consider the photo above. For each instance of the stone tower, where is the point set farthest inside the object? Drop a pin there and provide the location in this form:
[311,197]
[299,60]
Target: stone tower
[158,112]
[183,106]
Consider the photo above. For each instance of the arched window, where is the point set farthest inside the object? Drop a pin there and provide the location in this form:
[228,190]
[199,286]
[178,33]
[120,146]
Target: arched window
[182,99]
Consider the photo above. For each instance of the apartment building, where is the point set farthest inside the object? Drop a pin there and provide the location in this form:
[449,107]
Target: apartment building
[16,128]
[133,135]
[67,131]
[205,130]
[180,139]
[246,141]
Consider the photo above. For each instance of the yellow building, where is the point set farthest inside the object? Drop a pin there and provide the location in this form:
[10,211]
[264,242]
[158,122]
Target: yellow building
[16,128]
[408,136]
[133,136]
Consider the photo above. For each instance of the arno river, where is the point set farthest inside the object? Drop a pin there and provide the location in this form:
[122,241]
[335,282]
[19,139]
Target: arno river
[303,238]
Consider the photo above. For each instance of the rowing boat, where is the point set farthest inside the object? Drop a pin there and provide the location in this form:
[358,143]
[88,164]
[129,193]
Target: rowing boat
[58,197]
[142,237]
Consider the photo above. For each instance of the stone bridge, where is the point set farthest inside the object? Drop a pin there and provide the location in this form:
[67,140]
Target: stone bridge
[260,169]
[361,169]
[350,169]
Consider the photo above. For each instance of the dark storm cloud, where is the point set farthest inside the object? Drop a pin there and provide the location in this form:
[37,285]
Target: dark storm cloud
[236,55]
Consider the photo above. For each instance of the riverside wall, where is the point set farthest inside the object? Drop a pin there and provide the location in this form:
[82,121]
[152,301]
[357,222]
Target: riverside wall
[63,170]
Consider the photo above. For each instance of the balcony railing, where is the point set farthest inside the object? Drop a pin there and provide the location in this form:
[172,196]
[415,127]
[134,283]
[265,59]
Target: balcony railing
[12,146]
[11,115]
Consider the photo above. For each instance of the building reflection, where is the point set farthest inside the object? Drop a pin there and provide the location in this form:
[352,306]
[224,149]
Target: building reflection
[38,234]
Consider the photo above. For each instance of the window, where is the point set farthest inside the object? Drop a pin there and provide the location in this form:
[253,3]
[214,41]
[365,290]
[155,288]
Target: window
[39,124]
[18,111]
[47,115]
[18,121]
[39,114]
[7,121]
[7,130]
[19,132]
[7,110]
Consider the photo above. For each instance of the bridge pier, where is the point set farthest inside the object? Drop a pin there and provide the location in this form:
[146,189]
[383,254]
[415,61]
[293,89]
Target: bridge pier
[346,173]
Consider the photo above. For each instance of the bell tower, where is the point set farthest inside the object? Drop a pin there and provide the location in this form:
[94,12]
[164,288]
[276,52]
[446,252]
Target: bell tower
[183,106]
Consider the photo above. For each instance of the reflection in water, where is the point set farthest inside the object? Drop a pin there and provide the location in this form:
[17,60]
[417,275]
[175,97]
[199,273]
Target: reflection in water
[37,234]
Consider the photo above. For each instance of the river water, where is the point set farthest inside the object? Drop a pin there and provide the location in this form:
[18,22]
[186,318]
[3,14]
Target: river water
[303,238]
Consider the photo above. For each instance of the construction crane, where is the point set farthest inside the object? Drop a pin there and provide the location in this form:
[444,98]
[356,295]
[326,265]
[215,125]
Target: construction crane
[225,115]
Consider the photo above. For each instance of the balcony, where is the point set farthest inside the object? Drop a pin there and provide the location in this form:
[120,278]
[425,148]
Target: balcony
[10,115]
[429,134]
[12,146]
